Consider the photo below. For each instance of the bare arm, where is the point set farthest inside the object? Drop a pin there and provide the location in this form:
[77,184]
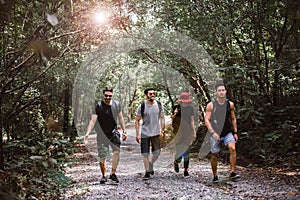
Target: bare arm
[233,120]
[162,121]
[90,128]
[162,124]
[173,115]
[193,127]
[122,123]
[137,128]
[207,118]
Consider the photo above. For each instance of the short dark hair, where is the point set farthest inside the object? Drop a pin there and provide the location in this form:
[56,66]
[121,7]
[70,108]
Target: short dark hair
[218,84]
[147,90]
[107,89]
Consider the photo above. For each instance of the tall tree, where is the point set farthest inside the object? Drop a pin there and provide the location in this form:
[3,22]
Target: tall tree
[42,43]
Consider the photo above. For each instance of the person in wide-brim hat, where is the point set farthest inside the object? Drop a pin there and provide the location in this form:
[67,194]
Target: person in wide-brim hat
[184,129]
[184,97]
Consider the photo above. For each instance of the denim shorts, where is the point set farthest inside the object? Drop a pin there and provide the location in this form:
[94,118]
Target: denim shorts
[215,145]
[153,141]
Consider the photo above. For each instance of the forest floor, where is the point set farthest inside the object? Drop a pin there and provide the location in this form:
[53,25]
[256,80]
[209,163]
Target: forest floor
[255,183]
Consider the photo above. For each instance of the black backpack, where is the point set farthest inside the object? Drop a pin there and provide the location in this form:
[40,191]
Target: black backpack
[143,108]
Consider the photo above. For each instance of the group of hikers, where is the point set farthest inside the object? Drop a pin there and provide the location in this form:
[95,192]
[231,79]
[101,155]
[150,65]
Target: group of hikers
[220,121]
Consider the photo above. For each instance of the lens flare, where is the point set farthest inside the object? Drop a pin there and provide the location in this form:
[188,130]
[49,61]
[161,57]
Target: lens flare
[101,16]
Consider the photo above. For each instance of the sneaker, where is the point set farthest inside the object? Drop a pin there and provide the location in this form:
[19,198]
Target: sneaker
[114,178]
[103,180]
[176,167]
[233,175]
[216,179]
[151,168]
[147,176]
[186,173]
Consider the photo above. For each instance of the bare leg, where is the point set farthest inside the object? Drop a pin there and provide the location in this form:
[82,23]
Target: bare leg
[231,147]
[146,163]
[115,161]
[154,158]
[102,166]
[214,163]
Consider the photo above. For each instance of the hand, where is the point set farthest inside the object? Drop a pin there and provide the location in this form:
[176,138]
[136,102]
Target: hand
[176,111]
[195,137]
[138,139]
[236,137]
[161,135]
[124,136]
[216,136]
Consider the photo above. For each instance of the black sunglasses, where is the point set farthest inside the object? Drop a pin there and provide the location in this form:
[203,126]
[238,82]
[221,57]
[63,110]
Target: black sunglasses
[107,95]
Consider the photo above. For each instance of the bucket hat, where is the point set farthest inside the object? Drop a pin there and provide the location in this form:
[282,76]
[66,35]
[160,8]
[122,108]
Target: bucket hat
[184,97]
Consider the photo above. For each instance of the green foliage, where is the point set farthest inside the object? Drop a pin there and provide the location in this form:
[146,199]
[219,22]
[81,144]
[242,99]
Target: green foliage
[273,142]
[255,45]
[34,166]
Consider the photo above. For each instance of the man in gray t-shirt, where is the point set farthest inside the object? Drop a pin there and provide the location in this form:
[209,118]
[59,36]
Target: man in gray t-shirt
[151,111]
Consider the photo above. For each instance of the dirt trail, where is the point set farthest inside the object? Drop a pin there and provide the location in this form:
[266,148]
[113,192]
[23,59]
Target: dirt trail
[255,183]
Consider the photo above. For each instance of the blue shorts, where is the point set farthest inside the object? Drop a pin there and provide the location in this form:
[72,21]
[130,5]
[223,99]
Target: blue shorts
[215,145]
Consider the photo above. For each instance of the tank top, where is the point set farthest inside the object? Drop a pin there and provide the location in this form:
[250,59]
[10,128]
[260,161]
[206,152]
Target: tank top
[221,120]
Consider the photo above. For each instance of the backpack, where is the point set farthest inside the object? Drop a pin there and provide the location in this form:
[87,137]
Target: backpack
[143,108]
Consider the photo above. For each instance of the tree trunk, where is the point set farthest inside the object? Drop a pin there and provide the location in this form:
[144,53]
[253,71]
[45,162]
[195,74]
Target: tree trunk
[75,115]
[1,135]
[276,88]
[66,110]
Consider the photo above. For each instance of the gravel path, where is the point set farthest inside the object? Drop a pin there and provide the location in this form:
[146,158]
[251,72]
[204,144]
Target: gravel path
[165,184]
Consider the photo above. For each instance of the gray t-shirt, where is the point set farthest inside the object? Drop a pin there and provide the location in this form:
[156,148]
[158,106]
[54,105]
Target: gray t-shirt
[151,120]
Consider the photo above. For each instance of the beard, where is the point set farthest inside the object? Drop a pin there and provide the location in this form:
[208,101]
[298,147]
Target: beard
[107,100]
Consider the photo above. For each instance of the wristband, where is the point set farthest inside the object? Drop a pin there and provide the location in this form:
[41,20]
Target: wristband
[235,133]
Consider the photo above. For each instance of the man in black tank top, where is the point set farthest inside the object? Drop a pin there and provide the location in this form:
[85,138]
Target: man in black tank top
[221,122]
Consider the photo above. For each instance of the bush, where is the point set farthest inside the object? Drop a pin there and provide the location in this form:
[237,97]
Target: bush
[34,166]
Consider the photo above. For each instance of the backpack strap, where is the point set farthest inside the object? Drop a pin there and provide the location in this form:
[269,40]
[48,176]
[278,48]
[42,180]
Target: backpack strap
[214,106]
[159,107]
[99,104]
[115,109]
[142,108]
[228,104]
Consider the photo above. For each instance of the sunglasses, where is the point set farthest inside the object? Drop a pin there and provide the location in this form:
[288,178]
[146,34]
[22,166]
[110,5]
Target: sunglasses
[151,93]
[107,95]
